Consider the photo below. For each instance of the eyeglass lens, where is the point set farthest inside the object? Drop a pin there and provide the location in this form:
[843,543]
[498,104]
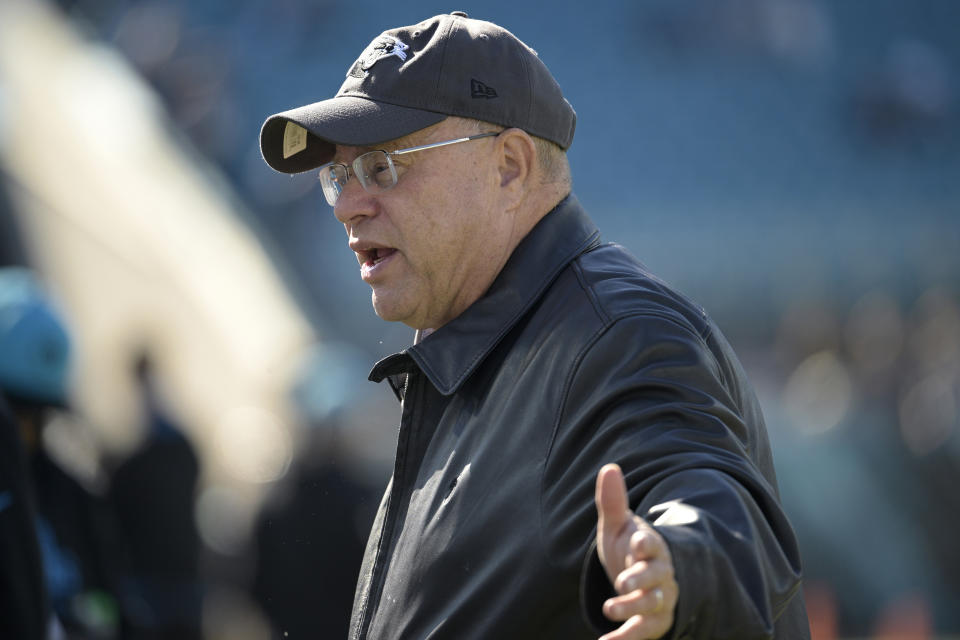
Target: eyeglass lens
[374,170]
[333,178]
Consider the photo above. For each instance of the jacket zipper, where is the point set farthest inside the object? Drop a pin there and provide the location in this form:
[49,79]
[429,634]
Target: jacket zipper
[386,533]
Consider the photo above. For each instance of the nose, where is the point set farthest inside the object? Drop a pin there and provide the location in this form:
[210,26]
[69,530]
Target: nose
[354,203]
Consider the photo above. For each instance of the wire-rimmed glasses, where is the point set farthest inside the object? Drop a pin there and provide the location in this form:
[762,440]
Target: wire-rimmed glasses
[375,169]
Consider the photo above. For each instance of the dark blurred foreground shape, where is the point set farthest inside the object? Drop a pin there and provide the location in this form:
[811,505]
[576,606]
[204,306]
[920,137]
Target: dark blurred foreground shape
[24,605]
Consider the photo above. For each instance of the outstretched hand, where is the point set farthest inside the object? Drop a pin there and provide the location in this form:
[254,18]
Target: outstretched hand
[637,561]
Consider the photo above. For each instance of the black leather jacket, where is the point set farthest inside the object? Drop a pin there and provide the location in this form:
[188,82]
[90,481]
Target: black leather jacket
[575,357]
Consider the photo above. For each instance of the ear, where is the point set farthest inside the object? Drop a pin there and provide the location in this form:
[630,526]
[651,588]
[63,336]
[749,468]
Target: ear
[518,156]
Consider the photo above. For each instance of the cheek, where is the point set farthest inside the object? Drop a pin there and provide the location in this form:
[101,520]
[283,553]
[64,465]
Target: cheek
[450,224]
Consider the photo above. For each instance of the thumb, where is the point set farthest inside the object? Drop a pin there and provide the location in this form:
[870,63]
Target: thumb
[613,510]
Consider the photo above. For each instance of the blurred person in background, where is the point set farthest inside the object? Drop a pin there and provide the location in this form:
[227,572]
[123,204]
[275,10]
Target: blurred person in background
[24,606]
[311,532]
[309,544]
[152,493]
[74,528]
[540,355]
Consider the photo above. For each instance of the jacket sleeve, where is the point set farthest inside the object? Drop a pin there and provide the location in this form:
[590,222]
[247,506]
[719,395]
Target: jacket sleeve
[671,408]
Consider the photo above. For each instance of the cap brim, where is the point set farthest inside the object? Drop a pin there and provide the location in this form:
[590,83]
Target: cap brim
[344,120]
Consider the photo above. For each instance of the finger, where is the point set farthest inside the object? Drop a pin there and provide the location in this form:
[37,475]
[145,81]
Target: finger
[640,628]
[646,543]
[627,631]
[643,575]
[613,509]
[646,603]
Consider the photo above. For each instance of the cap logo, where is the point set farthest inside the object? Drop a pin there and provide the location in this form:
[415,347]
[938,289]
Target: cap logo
[480,90]
[382,47]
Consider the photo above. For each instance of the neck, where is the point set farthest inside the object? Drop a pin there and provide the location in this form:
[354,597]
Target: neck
[541,202]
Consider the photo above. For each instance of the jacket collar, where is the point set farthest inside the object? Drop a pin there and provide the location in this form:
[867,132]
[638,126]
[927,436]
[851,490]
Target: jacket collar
[449,355]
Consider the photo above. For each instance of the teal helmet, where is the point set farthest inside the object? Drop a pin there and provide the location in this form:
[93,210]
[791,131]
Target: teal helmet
[34,345]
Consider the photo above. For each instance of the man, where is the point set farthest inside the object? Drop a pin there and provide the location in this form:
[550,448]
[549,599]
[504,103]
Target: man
[540,355]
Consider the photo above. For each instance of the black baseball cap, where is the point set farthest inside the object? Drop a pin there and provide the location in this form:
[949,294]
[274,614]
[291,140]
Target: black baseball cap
[412,77]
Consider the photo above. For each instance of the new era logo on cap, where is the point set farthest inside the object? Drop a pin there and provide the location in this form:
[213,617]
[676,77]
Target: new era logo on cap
[480,90]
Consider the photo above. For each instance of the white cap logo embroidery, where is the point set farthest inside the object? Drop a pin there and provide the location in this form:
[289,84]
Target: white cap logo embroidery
[382,47]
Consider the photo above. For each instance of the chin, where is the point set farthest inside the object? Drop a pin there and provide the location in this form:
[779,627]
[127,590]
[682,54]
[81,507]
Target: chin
[387,311]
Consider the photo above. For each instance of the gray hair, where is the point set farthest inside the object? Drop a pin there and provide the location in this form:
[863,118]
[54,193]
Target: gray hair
[554,166]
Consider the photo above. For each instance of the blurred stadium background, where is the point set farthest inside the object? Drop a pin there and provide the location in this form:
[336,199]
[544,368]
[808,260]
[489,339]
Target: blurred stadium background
[793,165]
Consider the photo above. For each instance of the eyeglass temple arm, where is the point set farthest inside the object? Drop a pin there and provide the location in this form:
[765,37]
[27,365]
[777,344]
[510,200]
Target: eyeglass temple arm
[443,144]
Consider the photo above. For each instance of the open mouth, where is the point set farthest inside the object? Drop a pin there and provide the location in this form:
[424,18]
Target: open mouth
[372,257]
